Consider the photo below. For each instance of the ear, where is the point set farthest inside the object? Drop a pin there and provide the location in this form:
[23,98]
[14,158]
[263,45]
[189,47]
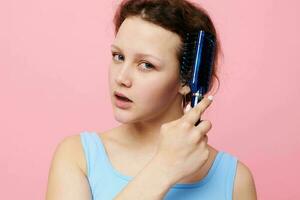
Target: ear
[183,90]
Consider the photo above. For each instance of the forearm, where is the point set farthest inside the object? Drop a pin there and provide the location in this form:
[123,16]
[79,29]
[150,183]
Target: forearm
[152,183]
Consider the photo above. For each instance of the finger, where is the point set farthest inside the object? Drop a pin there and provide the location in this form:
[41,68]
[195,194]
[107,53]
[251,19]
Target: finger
[194,114]
[203,128]
[205,138]
[203,142]
[199,132]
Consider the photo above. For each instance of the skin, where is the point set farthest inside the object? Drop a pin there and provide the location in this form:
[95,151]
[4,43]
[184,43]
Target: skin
[153,84]
[153,104]
[156,94]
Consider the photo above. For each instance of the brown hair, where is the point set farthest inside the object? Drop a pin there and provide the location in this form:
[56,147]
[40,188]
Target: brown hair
[178,16]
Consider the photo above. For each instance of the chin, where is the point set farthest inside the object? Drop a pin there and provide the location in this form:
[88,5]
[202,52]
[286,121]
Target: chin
[126,117]
[125,120]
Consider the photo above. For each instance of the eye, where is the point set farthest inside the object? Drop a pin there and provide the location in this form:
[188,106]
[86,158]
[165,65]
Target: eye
[147,66]
[117,57]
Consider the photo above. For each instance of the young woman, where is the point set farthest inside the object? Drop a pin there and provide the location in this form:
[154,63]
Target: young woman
[156,152]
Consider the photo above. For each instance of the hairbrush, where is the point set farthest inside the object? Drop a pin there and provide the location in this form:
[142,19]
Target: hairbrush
[198,53]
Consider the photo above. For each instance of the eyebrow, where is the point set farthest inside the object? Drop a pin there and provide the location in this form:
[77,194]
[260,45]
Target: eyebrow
[138,54]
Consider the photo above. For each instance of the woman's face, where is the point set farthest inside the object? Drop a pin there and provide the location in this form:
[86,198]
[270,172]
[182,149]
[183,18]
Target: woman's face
[144,68]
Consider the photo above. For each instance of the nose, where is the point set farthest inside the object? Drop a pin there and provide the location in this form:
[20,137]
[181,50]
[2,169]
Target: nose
[123,77]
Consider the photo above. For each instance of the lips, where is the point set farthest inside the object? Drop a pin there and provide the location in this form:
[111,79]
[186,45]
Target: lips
[122,96]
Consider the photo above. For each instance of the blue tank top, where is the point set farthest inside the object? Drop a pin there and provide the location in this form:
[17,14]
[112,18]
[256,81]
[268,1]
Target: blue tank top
[106,182]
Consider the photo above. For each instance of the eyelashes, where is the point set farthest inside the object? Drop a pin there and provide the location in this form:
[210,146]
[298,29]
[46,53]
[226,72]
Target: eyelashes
[118,58]
[116,54]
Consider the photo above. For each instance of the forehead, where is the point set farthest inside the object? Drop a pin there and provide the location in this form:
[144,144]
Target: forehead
[138,35]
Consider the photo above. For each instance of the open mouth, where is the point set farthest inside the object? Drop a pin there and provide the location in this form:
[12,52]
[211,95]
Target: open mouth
[123,98]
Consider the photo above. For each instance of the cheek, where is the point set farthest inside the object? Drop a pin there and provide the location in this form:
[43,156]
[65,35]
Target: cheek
[157,93]
[111,75]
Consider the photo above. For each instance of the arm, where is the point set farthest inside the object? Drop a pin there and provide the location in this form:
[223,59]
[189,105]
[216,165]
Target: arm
[151,183]
[182,150]
[66,178]
[244,187]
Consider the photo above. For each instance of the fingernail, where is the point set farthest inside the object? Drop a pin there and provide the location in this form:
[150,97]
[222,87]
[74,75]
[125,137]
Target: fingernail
[210,97]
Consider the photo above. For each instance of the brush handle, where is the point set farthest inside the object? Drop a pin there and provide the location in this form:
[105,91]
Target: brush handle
[196,98]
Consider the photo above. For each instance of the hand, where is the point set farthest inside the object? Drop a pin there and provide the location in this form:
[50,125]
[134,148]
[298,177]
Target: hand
[183,149]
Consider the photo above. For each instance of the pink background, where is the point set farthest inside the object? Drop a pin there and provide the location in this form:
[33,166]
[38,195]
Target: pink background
[54,59]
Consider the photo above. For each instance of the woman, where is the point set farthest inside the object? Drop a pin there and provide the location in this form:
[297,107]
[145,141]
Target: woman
[156,152]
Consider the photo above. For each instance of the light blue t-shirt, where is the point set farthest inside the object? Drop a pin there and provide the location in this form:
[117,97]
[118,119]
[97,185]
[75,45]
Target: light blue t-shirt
[106,182]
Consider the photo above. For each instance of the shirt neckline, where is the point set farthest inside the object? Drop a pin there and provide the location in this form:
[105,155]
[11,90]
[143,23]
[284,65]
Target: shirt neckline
[199,183]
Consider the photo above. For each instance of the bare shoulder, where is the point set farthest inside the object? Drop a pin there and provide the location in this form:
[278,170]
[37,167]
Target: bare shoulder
[244,186]
[66,179]
[73,150]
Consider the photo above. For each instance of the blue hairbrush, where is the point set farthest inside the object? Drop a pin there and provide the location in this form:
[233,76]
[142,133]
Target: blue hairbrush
[198,53]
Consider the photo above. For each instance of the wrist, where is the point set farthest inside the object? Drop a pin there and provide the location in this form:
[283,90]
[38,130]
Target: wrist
[162,172]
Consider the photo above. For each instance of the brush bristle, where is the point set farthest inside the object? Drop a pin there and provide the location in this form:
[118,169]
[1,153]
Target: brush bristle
[206,58]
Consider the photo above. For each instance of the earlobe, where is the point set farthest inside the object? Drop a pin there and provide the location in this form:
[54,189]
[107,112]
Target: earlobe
[184,90]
